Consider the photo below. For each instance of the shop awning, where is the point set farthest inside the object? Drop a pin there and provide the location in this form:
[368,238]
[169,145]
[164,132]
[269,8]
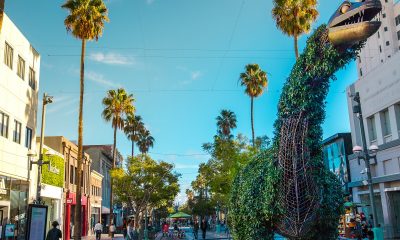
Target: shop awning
[105,210]
[180,215]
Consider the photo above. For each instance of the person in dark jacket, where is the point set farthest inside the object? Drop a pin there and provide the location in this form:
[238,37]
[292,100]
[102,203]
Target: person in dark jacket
[54,233]
[196,229]
[203,227]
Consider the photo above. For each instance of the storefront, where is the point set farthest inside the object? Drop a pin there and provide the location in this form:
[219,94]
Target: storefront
[52,197]
[70,203]
[52,186]
[13,206]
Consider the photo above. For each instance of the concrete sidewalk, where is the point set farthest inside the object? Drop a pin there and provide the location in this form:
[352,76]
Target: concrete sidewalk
[105,237]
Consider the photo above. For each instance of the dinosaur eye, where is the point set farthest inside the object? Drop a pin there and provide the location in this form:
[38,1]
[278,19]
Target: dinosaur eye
[345,8]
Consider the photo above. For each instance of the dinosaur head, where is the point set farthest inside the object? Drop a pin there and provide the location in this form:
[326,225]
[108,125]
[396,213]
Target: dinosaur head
[354,22]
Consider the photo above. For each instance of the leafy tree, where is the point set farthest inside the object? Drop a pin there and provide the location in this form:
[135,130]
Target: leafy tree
[226,121]
[145,183]
[86,22]
[255,80]
[146,141]
[132,129]
[262,142]
[294,17]
[117,104]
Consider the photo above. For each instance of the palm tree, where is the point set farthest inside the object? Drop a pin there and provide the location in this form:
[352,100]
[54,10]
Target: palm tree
[1,13]
[117,104]
[226,122]
[255,80]
[145,142]
[133,126]
[86,22]
[294,17]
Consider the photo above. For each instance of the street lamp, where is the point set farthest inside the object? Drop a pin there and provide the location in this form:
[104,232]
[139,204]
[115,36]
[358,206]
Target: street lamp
[46,100]
[366,155]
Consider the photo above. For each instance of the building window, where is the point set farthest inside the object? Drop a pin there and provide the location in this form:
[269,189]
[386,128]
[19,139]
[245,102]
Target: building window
[371,128]
[397,20]
[32,78]
[360,72]
[21,68]
[398,35]
[71,174]
[28,138]
[8,55]
[380,48]
[385,121]
[383,15]
[387,43]
[385,29]
[4,124]
[17,132]
[379,36]
[397,115]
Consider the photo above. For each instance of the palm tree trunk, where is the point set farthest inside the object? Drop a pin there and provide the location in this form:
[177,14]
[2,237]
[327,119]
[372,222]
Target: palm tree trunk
[133,142]
[252,120]
[1,13]
[78,206]
[111,180]
[296,48]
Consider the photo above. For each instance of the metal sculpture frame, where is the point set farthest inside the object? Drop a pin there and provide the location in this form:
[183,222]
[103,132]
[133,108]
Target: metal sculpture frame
[298,191]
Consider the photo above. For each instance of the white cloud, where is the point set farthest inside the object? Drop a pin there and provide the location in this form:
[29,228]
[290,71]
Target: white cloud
[149,1]
[99,79]
[194,75]
[110,58]
[61,103]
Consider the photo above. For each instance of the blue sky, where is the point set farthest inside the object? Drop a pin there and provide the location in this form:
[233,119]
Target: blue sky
[181,60]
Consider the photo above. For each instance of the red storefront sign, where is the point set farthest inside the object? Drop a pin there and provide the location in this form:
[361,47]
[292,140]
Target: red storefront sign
[71,200]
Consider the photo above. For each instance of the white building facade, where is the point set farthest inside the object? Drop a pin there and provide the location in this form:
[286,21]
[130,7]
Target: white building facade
[379,89]
[19,78]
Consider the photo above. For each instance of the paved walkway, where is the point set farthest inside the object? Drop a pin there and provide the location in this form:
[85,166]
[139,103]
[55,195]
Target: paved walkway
[190,236]
[105,237]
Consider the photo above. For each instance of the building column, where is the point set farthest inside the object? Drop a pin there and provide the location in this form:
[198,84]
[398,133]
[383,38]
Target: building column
[393,122]
[385,210]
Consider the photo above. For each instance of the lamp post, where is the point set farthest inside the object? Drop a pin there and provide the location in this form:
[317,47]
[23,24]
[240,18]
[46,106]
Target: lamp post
[366,155]
[46,100]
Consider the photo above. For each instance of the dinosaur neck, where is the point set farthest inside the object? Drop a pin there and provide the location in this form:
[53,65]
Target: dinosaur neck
[306,88]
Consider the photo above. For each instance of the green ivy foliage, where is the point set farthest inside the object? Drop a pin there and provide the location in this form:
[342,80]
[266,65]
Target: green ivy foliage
[51,178]
[253,207]
[254,210]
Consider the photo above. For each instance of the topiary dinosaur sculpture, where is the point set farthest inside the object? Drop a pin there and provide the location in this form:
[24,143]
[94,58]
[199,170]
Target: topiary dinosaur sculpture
[286,189]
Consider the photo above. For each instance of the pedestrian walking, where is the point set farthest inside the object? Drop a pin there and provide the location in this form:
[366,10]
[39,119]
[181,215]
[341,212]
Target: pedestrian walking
[196,229]
[203,227]
[98,228]
[54,233]
[124,228]
[112,230]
